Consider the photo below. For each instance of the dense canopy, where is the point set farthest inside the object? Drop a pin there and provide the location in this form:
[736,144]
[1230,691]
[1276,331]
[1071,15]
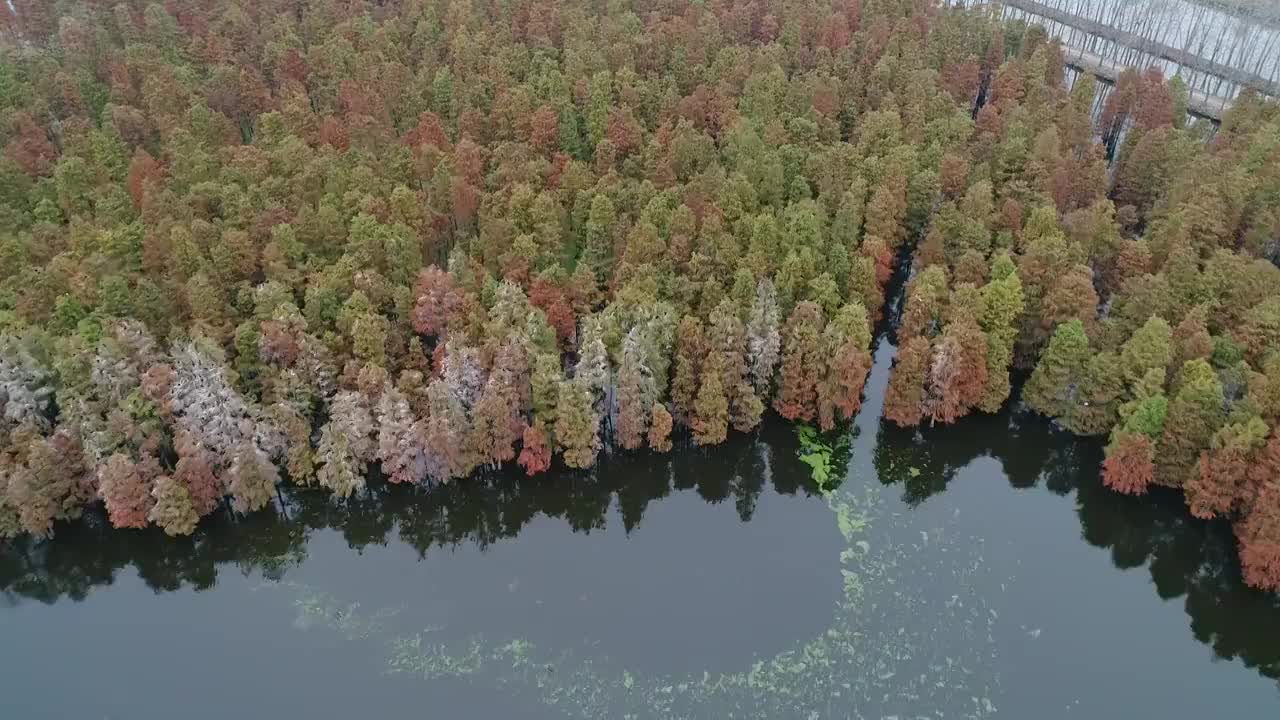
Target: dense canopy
[242,241]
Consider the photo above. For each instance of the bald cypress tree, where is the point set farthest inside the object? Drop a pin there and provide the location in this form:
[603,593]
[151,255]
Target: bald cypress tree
[1056,380]
[903,401]
[1002,308]
[577,430]
[172,510]
[802,364]
[1217,487]
[1195,414]
[125,488]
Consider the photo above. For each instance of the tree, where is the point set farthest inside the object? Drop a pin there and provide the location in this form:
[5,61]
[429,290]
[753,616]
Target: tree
[1191,339]
[1195,413]
[1219,486]
[25,390]
[688,367]
[710,409]
[802,364]
[1128,468]
[903,400]
[252,479]
[173,510]
[1151,347]
[1002,307]
[597,253]
[1259,534]
[593,372]
[438,302]
[496,422]
[535,450]
[444,434]
[195,471]
[52,485]
[345,446]
[764,341]
[577,429]
[926,297]
[636,393]
[1130,464]
[1056,380]
[125,488]
[1097,397]
[846,341]
[957,376]
[660,428]
[400,447]
[727,343]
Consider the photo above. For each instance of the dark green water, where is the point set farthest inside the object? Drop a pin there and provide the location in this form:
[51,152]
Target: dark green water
[976,570]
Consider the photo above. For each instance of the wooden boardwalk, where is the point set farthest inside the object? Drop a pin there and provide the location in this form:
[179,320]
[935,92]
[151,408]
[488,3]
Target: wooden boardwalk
[1199,103]
[1185,58]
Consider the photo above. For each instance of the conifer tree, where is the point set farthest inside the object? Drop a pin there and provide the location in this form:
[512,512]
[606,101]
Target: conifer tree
[711,407]
[1055,383]
[1195,414]
[172,510]
[659,437]
[577,430]
[125,488]
[802,364]
[903,400]
[1002,307]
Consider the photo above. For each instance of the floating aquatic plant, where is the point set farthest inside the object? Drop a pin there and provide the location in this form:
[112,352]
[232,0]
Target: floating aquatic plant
[911,637]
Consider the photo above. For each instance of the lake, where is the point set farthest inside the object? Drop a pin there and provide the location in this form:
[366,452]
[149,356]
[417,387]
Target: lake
[971,571]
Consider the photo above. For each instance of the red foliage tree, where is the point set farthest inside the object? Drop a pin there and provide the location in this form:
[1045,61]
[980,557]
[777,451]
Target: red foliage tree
[623,132]
[961,80]
[835,33]
[196,470]
[535,451]
[142,169]
[1129,468]
[125,488]
[544,129]
[1216,488]
[334,132]
[428,132]
[802,364]
[439,301]
[1259,534]
[1155,102]
[847,375]
[554,302]
[660,424]
[30,147]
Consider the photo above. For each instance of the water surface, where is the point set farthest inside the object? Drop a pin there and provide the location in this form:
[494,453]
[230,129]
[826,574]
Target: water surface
[975,570]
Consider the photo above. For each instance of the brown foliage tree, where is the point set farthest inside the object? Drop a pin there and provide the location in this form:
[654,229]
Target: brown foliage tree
[535,450]
[30,147]
[660,428]
[125,488]
[688,367]
[196,472]
[904,397]
[1129,467]
[143,169]
[1259,536]
[802,364]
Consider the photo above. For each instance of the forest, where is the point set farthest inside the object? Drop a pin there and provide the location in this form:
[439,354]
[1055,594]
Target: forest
[310,241]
